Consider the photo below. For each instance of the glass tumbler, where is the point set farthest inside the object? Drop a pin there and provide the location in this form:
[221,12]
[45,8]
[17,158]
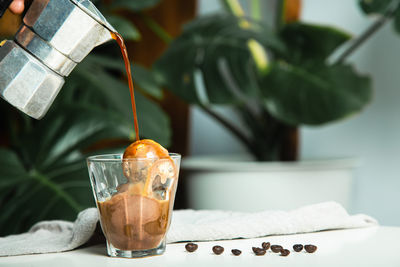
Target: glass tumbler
[135,198]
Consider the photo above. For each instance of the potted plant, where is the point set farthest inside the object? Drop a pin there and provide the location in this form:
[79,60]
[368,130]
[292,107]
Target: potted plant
[276,80]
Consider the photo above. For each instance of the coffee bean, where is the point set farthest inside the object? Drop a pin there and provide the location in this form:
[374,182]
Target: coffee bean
[218,250]
[298,247]
[285,252]
[191,247]
[310,248]
[276,248]
[259,251]
[236,252]
[266,245]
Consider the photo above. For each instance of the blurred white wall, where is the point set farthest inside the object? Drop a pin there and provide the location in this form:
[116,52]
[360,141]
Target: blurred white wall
[373,136]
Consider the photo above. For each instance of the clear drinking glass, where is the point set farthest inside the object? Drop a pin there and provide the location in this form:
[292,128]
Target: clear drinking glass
[135,198]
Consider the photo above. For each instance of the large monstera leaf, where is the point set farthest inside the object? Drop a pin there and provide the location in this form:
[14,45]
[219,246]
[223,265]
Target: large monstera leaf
[310,44]
[314,96]
[302,88]
[45,175]
[213,49]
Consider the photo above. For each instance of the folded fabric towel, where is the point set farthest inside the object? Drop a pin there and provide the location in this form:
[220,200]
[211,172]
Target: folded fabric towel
[190,225]
[207,225]
[52,236]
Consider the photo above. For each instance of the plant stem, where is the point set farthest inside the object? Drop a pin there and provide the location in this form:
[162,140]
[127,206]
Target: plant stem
[232,128]
[156,28]
[234,7]
[256,9]
[280,14]
[386,16]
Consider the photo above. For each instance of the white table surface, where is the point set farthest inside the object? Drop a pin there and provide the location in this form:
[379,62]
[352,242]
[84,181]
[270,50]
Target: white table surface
[374,246]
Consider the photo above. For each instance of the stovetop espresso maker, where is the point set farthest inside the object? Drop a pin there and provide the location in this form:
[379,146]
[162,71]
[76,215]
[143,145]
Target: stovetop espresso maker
[54,37]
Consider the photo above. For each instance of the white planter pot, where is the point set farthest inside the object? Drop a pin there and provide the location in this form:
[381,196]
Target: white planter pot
[242,185]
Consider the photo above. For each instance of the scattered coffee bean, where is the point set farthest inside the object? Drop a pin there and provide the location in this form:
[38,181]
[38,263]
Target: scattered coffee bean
[236,252]
[259,251]
[218,250]
[298,247]
[276,248]
[191,247]
[266,245]
[310,248]
[285,252]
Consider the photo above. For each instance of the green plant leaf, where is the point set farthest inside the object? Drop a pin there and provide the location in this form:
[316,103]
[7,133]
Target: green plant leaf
[58,138]
[134,5]
[397,20]
[374,6]
[143,78]
[12,174]
[298,96]
[153,122]
[147,81]
[215,49]
[25,195]
[228,27]
[308,43]
[124,27]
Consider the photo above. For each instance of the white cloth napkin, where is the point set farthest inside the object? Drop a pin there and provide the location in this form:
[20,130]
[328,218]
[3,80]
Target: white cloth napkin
[52,236]
[207,225]
[190,225]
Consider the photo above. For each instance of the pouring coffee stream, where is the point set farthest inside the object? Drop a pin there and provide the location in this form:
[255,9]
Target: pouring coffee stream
[117,37]
[140,148]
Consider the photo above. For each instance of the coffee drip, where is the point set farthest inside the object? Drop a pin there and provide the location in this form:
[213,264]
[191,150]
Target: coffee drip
[117,37]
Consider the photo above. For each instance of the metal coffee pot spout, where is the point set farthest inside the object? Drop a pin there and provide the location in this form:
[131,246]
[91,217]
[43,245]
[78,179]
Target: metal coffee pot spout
[55,36]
